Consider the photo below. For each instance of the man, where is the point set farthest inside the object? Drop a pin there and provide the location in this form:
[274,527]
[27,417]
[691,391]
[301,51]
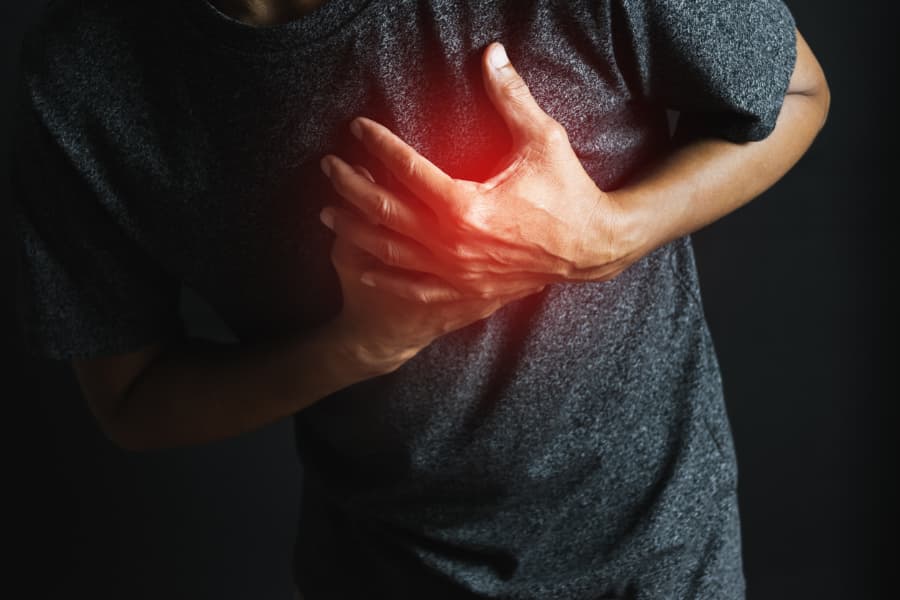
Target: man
[502,380]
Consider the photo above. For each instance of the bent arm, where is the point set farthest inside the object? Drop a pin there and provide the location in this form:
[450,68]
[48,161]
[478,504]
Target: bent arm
[705,179]
[194,391]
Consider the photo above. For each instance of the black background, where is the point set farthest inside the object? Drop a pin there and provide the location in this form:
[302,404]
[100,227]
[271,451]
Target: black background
[798,295]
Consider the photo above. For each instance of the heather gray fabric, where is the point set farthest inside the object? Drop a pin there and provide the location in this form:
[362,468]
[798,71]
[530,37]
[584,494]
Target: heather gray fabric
[575,444]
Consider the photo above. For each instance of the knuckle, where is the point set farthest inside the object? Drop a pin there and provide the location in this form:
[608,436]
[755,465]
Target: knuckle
[389,253]
[364,172]
[499,256]
[487,290]
[515,87]
[423,296]
[470,217]
[554,133]
[409,167]
[462,251]
[382,208]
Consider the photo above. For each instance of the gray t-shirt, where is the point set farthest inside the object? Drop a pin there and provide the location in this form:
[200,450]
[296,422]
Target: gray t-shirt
[575,444]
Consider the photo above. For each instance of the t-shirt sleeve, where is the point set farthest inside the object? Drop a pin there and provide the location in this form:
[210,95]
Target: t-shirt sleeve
[729,62]
[85,287]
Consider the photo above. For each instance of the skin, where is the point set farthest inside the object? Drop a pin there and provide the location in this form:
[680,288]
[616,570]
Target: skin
[541,219]
[402,289]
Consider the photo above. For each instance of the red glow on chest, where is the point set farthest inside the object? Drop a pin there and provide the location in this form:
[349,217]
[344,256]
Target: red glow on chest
[462,134]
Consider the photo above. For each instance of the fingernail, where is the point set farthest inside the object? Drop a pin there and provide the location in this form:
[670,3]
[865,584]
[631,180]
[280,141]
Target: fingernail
[356,129]
[325,164]
[368,280]
[498,57]
[327,217]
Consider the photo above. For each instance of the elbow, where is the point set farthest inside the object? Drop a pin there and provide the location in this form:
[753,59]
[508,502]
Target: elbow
[129,442]
[107,384]
[825,103]
[809,82]
[811,107]
[819,96]
[120,425]
[122,434]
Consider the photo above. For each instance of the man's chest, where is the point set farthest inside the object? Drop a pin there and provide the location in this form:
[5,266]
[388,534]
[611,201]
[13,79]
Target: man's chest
[223,187]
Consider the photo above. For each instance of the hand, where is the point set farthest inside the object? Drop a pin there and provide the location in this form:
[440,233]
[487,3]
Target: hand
[540,219]
[383,328]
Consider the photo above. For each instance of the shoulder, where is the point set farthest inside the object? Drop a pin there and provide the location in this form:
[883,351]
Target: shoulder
[73,31]
[79,51]
[83,71]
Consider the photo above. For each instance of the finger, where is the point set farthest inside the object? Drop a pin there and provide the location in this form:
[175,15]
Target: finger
[417,173]
[506,299]
[417,287]
[429,289]
[364,172]
[378,204]
[494,287]
[484,310]
[391,249]
[511,97]
[349,257]
[497,257]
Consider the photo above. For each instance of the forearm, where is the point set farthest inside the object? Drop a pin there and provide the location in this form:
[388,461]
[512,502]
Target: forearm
[198,391]
[705,179]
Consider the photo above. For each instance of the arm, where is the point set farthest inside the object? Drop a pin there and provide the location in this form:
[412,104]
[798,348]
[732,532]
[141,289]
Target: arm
[193,391]
[542,217]
[705,179]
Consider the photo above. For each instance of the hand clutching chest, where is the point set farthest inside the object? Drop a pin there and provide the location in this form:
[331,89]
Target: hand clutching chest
[540,219]
[444,242]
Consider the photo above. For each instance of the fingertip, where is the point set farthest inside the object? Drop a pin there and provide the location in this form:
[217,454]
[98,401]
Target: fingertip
[356,128]
[496,56]
[325,165]
[326,215]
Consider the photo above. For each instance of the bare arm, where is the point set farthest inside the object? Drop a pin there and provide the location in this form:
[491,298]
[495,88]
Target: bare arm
[194,391]
[542,218]
[197,391]
[705,179]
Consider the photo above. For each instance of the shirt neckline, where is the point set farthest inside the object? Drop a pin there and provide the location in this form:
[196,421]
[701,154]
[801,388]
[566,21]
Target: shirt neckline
[327,19]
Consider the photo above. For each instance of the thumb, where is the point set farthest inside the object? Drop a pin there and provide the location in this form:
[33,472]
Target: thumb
[510,95]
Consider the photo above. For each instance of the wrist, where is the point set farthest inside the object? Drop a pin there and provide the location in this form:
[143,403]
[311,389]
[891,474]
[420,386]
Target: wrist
[637,227]
[362,357]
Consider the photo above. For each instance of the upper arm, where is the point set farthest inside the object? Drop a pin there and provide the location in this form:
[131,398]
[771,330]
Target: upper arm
[105,381]
[725,65]
[91,279]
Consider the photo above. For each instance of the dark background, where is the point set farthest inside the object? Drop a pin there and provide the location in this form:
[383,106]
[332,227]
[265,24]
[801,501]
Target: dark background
[799,300]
